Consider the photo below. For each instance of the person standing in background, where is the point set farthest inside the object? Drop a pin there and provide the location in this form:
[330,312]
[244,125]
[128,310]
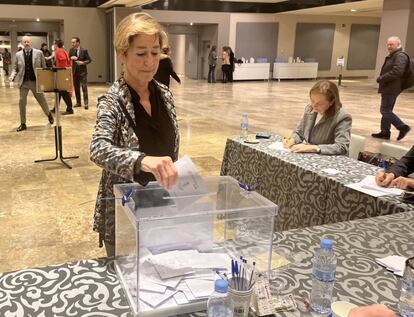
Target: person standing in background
[212,62]
[80,58]
[231,56]
[46,53]
[63,61]
[225,67]
[165,68]
[27,60]
[389,81]
[6,61]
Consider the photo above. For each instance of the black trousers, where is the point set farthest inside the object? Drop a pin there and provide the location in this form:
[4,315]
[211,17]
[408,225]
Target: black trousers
[67,99]
[80,79]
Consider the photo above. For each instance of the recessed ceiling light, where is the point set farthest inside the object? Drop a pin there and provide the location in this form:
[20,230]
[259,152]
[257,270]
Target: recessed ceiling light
[37,20]
[354,10]
[191,23]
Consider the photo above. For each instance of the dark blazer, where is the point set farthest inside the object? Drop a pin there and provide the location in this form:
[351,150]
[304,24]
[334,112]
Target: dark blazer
[405,166]
[83,57]
[165,70]
[392,72]
[332,134]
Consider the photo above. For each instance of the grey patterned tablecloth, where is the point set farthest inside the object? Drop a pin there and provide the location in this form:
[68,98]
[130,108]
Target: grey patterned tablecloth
[297,183]
[91,287]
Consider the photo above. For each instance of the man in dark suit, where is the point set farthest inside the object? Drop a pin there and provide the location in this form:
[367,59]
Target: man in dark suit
[389,81]
[24,75]
[80,58]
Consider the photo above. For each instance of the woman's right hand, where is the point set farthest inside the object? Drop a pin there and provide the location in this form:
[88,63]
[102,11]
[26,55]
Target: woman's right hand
[288,142]
[163,169]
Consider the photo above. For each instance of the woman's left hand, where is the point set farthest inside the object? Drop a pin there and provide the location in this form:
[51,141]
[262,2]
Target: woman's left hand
[304,148]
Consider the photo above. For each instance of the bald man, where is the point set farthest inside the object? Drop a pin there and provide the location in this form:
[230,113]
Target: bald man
[24,74]
[390,80]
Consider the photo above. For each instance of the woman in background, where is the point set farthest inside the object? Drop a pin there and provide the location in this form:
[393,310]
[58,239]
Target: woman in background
[165,68]
[62,61]
[325,127]
[6,61]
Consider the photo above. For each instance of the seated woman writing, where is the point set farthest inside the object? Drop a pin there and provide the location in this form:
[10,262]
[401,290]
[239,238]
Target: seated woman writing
[325,127]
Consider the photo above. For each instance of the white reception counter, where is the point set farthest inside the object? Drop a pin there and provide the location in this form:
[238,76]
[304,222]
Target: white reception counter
[295,70]
[251,71]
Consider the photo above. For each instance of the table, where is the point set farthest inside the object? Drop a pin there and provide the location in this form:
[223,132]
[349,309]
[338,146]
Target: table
[305,194]
[91,287]
[251,71]
[295,70]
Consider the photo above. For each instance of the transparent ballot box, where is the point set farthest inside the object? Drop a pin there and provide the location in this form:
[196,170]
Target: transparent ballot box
[170,245]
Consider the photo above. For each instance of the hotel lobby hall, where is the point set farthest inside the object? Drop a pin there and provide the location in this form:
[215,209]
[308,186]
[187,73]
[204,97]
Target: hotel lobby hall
[46,209]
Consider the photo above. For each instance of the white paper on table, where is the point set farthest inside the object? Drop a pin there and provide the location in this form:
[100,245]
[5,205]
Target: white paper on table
[184,288]
[173,263]
[149,273]
[200,288]
[395,263]
[209,261]
[278,146]
[370,187]
[203,274]
[149,286]
[331,171]
[155,299]
[180,298]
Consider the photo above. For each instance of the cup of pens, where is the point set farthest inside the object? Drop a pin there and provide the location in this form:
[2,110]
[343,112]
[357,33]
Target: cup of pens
[241,287]
[241,299]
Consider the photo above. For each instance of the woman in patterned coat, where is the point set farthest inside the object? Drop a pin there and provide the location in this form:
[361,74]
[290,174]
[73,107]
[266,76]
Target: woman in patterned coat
[136,135]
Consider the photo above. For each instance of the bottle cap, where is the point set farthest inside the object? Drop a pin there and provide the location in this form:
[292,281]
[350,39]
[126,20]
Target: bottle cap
[326,244]
[221,286]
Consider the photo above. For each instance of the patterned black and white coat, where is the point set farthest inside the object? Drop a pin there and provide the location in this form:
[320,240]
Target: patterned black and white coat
[115,148]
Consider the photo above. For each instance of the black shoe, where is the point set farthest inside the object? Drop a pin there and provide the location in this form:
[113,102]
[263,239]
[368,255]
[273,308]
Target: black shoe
[67,112]
[21,128]
[77,105]
[50,117]
[381,135]
[86,106]
[403,132]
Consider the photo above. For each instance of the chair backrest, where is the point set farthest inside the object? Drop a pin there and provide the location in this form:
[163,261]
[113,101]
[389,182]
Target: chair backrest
[393,150]
[357,145]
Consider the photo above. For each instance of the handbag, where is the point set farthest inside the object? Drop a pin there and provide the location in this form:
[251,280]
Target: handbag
[377,159]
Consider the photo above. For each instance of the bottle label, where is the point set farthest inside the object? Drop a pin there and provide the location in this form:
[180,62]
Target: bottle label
[324,276]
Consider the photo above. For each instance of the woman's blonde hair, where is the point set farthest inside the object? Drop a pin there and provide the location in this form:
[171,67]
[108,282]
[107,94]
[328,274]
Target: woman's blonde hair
[136,24]
[331,93]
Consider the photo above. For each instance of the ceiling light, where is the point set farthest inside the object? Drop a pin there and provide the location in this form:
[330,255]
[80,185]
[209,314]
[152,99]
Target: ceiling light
[354,10]
[37,20]
[191,23]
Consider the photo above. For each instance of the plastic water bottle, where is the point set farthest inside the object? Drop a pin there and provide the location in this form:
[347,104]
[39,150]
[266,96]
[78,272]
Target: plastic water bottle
[406,303]
[219,303]
[323,277]
[244,125]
